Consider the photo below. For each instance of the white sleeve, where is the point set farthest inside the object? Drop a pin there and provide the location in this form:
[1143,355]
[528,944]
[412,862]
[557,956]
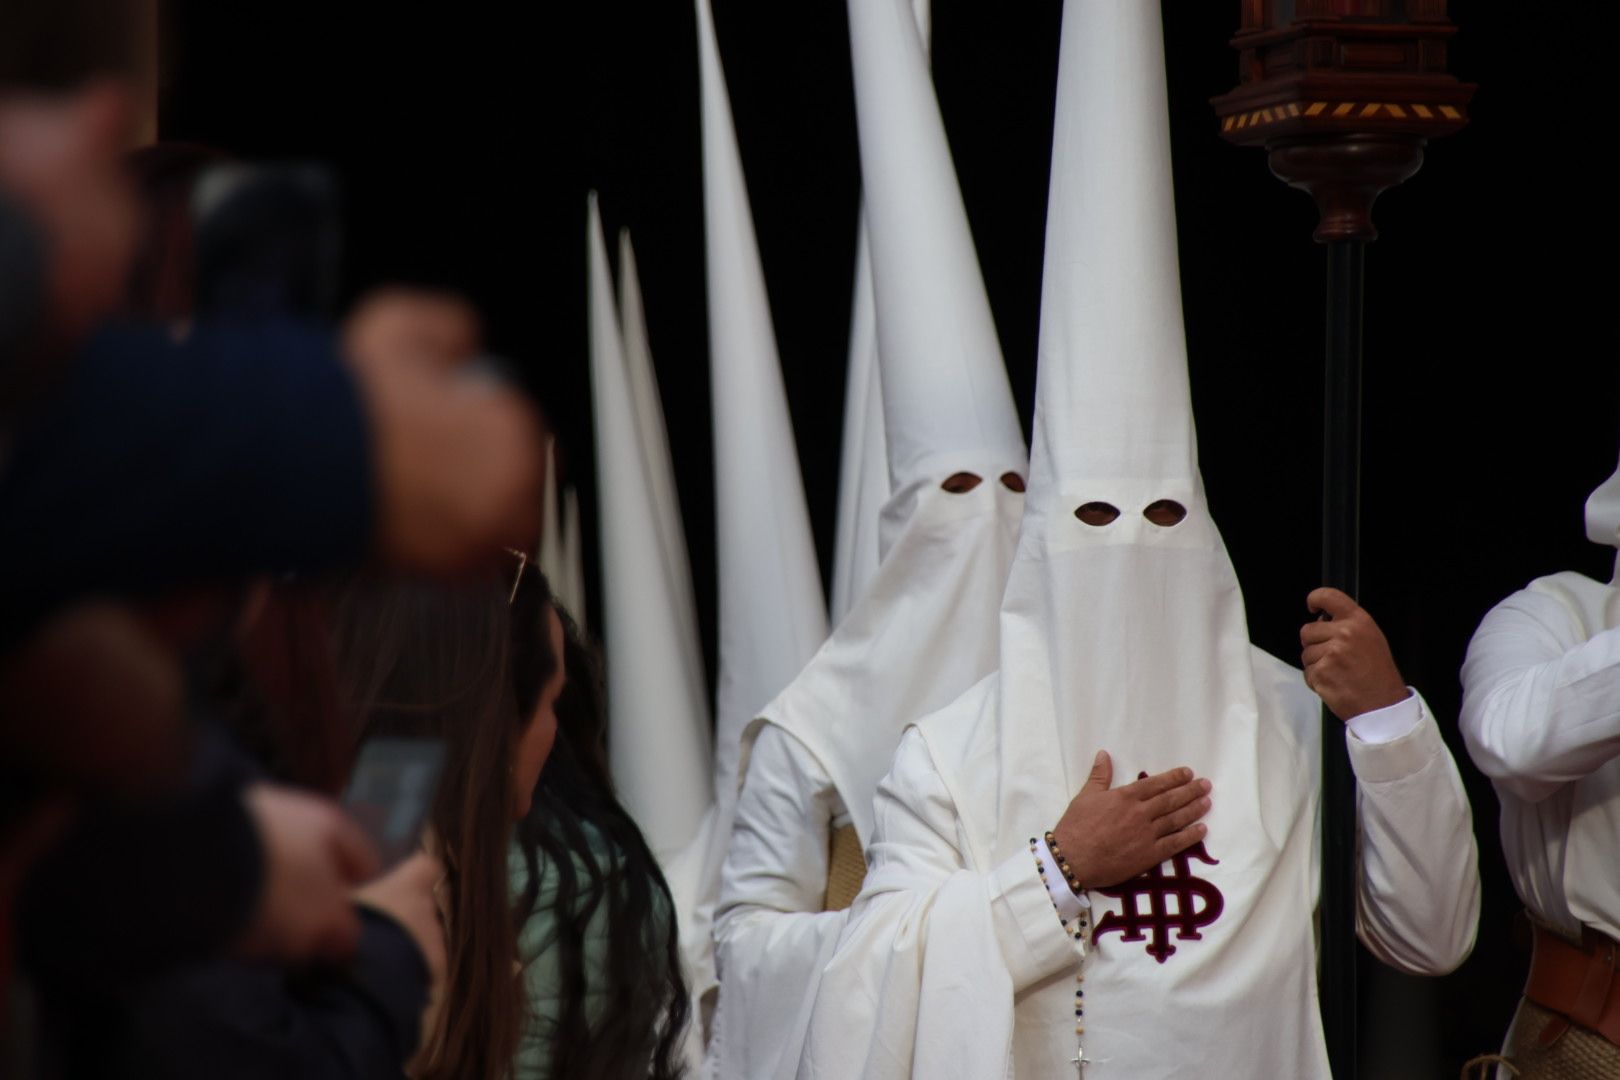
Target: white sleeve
[1417,895]
[771,937]
[1069,906]
[777,859]
[923,980]
[1541,706]
[1389,723]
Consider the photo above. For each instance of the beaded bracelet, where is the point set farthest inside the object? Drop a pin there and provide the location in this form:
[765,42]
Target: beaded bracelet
[1063,865]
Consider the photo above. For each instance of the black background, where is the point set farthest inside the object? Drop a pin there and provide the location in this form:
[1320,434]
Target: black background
[467,136]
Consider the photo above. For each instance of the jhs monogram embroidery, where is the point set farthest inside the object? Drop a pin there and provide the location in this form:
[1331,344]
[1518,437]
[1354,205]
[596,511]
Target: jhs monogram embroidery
[1157,889]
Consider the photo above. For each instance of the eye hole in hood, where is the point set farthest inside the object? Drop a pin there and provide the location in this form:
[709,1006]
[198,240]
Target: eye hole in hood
[1165,513]
[1097,513]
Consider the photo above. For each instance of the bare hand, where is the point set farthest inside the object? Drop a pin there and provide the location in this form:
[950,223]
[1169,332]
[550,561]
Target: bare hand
[1347,661]
[405,894]
[410,895]
[1109,836]
[458,462]
[414,324]
[314,856]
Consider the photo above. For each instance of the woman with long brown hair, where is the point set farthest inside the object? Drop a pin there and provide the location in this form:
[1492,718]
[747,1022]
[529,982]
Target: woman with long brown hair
[479,667]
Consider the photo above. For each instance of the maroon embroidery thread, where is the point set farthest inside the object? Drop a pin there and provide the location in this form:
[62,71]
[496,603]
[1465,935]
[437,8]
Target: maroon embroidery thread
[1156,888]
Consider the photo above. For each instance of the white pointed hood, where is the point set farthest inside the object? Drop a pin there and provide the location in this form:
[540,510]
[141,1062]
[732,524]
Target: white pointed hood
[551,543]
[1097,615]
[772,612]
[659,744]
[649,412]
[573,558]
[948,392]
[863,472]
[1096,612]
[926,629]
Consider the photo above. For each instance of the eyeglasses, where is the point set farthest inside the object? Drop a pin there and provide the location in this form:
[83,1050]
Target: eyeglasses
[517,579]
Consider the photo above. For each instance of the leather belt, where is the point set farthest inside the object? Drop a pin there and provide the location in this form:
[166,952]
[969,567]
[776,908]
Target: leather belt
[1580,983]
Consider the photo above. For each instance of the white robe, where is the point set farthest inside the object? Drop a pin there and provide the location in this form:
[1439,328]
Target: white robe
[952,966]
[771,937]
[1541,716]
[814,759]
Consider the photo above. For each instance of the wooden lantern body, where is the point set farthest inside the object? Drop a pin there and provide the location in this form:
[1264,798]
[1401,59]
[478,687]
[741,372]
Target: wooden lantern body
[1343,94]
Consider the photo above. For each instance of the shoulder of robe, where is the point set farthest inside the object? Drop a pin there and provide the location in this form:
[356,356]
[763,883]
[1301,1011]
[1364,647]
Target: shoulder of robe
[1569,605]
[1284,699]
[960,734]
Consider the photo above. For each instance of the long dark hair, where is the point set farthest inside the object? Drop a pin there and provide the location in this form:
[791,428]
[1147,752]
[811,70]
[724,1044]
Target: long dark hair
[639,1031]
[465,664]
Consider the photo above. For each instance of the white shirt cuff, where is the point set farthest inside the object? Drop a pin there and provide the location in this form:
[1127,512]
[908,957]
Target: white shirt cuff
[1069,906]
[1389,723]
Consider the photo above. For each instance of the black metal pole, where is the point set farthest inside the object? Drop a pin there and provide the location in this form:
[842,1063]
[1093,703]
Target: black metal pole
[1341,534]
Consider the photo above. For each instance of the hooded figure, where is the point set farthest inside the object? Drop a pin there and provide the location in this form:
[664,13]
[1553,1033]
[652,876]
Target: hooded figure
[772,612]
[925,628]
[1539,715]
[1122,629]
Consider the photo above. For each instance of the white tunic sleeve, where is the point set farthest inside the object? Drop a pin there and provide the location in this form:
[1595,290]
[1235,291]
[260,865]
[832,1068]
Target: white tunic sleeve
[771,936]
[1417,899]
[1541,701]
[935,946]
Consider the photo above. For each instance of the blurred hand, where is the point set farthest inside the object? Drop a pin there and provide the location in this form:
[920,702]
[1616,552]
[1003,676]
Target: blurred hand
[405,894]
[1347,661]
[459,462]
[397,323]
[314,856]
[1110,835]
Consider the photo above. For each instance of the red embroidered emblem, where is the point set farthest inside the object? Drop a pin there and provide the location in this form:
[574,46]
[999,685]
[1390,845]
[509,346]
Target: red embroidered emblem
[1158,888]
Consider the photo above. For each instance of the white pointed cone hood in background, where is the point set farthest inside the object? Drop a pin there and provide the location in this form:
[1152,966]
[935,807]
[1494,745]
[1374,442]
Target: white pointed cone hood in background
[863,474]
[573,558]
[947,392]
[926,630]
[658,722]
[1130,636]
[772,613]
[560,558]
[649,412]
[551,544]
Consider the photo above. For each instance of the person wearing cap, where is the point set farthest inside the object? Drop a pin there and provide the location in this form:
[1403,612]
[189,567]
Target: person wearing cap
[1124,652]
[1541,718]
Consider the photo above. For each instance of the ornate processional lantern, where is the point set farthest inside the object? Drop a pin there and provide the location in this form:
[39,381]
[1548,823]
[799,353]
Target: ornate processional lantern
[1343,95]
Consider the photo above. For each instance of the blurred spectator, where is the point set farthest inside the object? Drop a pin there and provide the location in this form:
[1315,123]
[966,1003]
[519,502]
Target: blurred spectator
[479,667]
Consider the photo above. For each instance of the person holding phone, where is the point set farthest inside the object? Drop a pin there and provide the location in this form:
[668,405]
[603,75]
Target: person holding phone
[479,667]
